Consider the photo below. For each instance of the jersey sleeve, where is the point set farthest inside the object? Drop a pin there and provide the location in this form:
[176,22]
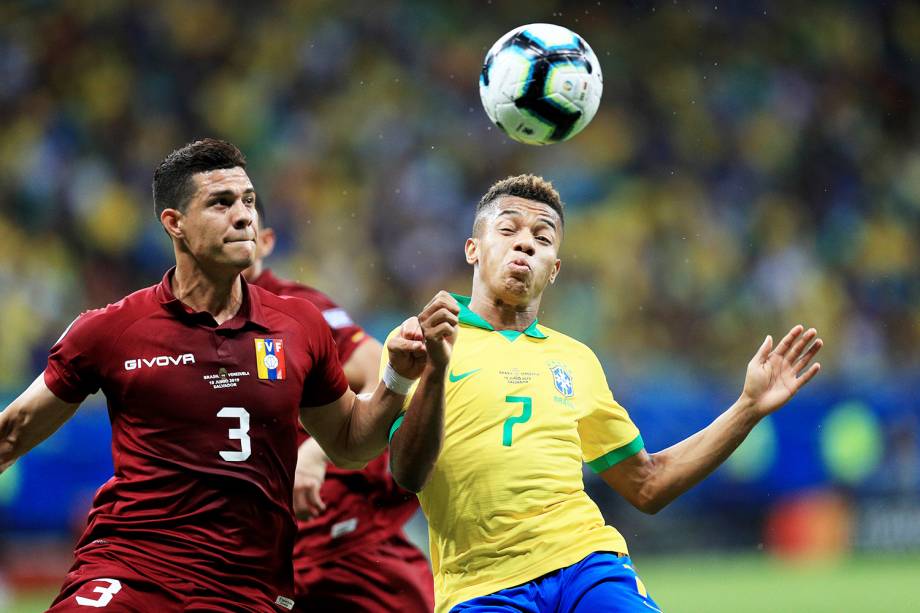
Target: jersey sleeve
[326,380]
[608,435]
[72,372]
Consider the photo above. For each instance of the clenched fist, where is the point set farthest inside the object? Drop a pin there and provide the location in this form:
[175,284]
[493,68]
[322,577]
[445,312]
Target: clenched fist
[438,322]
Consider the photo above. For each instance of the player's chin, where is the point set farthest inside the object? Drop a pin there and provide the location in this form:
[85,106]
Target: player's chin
[240,253]
[519,285]
[237,263]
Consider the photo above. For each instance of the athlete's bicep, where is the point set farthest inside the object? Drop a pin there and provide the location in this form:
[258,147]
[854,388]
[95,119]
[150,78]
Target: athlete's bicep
[361,368]
[328,424]
[31,418]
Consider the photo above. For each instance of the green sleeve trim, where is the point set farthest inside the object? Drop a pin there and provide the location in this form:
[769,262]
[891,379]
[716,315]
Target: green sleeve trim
[396,425]
[612,458]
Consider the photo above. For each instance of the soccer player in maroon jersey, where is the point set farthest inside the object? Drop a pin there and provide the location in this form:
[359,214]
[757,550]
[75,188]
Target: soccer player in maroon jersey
[351,553]
[205,377]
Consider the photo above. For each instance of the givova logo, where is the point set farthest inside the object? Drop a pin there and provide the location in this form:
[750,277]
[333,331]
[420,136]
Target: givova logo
[160,360]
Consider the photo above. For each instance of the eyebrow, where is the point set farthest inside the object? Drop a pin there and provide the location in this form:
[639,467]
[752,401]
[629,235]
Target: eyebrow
[547,220]
[230,192]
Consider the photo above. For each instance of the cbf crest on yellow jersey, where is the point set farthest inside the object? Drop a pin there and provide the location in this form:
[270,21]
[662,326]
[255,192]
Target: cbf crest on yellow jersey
[506,501]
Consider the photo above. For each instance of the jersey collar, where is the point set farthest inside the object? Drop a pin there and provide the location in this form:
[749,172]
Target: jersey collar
[250,312]
[470,318]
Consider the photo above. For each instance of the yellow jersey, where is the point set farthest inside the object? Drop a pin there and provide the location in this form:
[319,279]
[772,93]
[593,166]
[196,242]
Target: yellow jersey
[506,501]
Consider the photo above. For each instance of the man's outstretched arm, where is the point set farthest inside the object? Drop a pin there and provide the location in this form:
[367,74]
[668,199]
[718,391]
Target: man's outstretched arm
[363,366]
[651,481]
[353,429]
[34,416]
[361,371]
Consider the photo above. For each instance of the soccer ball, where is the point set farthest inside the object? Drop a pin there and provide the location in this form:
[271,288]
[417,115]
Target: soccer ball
[541,84]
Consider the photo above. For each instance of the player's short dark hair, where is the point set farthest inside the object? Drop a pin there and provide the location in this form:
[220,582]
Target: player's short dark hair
[530,187]
[172,180]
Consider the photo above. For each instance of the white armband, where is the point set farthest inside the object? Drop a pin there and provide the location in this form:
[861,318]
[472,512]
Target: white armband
[395,382]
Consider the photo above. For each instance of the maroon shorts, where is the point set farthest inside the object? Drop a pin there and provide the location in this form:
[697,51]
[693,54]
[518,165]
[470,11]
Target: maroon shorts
[392,575]
[122,595]
[119,584]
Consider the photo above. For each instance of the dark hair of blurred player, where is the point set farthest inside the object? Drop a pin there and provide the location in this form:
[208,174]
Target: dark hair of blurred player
[205,377]
[351,553]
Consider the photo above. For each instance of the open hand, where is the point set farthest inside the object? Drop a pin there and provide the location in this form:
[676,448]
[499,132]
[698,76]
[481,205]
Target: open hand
[775,375]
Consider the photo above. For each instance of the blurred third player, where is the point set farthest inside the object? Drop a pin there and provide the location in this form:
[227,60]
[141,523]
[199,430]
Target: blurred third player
[351,553]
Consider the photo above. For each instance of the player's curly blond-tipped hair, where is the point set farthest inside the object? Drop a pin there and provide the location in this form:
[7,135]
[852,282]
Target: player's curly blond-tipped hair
[530,187]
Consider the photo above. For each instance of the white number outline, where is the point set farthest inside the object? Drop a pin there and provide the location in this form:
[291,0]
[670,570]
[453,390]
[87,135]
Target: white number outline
[240,434]
[105,594]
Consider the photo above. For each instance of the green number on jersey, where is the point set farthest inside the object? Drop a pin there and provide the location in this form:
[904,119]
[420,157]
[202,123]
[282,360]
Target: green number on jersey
[516,419]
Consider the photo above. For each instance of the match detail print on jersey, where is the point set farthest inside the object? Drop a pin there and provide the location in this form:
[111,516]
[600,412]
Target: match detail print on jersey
[270,358]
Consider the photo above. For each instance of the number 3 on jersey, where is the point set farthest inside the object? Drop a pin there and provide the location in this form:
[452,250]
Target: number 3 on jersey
[240,434]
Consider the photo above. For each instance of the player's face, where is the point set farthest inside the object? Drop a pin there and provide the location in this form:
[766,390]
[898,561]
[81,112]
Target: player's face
[219,222]
[516,250]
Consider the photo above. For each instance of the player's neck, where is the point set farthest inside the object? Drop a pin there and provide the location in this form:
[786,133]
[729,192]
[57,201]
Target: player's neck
[220,294]
[255,271]
[501,313]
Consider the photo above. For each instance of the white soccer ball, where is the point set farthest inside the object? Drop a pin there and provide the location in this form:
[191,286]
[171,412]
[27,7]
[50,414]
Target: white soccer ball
[541,84]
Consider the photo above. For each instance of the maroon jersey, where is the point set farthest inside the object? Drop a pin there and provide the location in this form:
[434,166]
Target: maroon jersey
[204,430]
[362,506]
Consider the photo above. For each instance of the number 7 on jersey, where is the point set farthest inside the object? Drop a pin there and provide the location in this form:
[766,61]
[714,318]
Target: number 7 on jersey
[527,401]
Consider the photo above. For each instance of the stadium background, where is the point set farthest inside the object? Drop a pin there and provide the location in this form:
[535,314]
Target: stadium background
[753,165]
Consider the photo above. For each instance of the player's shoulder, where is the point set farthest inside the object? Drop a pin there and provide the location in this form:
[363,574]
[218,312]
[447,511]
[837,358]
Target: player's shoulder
[317,297]
[127,310]
[110,321]
[561,339]
[286,287]
[568,345]
[300,310]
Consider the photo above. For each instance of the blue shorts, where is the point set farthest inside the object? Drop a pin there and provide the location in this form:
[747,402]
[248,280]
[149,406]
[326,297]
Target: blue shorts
[601,582]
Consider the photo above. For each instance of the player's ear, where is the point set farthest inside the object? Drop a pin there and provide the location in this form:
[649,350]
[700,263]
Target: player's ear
[472,251]
[555,271]
[172,222]
[267,240]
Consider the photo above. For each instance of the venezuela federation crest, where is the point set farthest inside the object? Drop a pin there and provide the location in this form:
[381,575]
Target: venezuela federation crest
[270,358]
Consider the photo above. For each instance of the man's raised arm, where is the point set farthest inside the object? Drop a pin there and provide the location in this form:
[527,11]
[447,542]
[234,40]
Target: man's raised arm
[651,482]
[417,441]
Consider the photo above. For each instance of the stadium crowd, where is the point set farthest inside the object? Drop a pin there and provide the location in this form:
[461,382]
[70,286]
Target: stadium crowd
[729,185]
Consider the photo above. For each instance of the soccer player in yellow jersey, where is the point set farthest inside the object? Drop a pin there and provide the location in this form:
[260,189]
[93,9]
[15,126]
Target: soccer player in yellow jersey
[494,446]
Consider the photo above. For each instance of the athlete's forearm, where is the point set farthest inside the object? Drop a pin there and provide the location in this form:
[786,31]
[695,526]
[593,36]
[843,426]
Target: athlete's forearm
[416,445]
[34,416]
[681,466]
[365,436]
